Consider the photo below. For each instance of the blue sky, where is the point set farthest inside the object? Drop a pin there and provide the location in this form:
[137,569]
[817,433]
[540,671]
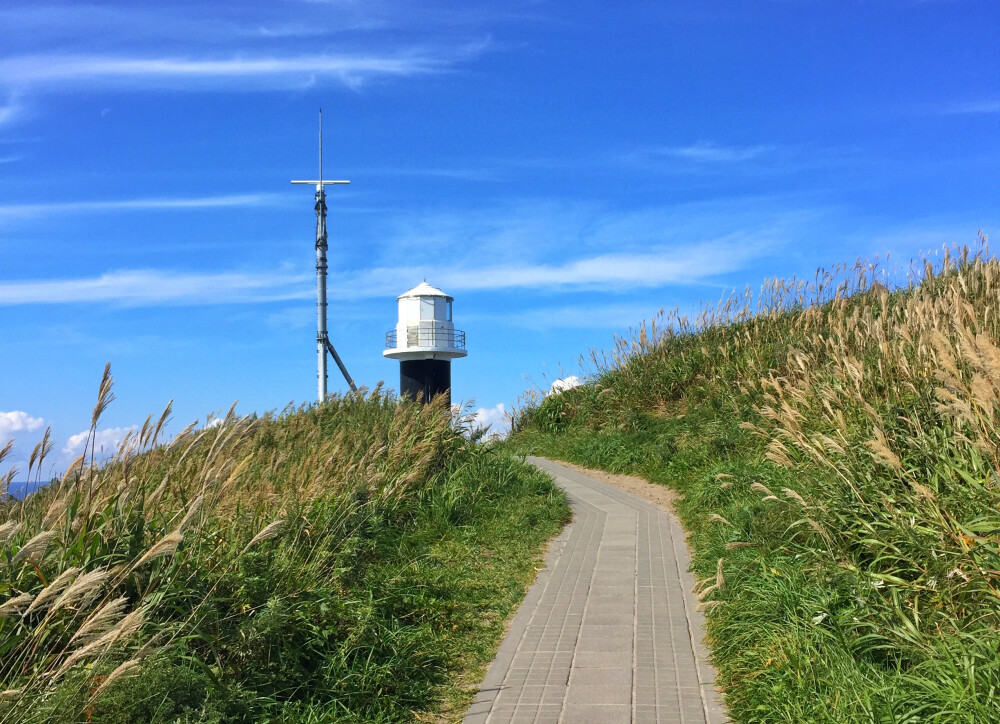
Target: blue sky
[563,169]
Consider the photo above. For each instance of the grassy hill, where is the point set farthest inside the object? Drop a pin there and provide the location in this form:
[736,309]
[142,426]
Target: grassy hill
[837,448]
[354,561]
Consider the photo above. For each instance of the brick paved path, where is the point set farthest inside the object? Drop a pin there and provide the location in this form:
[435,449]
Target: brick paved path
[608,633]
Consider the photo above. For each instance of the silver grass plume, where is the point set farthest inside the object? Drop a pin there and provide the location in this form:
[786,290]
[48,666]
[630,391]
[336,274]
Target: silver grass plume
[83,589]
[119,632]
[42,449]
[101,620]
[35,546]
[75,467]
[104,395]
[192,511]
[53,589]
[56,509]
[8,529]
[5,481]
[789,493]
[161,421]
[120,671]
[13,606]
[166,546]
[271,530]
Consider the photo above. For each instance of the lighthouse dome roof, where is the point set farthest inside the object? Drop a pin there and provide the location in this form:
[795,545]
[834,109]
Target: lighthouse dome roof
[423,290]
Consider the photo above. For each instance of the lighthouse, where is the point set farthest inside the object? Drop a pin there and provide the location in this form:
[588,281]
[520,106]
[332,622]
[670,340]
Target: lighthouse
[425,342]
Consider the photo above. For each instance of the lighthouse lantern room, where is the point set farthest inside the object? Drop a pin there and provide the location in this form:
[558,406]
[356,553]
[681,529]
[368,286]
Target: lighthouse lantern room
[425,342]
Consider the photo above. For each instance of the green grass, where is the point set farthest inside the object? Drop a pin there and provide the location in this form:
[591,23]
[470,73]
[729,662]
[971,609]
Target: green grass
[837,455]
[354,562]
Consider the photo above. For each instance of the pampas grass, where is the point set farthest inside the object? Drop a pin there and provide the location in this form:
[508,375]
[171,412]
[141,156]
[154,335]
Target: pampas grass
[869,397]
[102,574]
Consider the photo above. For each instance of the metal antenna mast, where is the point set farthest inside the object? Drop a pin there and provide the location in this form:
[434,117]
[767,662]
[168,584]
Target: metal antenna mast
[323,343]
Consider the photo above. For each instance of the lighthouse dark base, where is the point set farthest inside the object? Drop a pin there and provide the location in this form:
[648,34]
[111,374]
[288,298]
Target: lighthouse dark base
[424,379]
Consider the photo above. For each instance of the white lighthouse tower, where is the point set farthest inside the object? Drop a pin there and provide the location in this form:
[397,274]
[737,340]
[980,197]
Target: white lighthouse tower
[425,342]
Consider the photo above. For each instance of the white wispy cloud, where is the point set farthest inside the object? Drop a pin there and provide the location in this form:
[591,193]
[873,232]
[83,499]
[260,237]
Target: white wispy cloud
[618,317]
[544,248]
[985,106]
[548,231]
[658,266]
[147,204]
[702,153]
[146,287]
[707,152]
[472,173]
[35,24]
[237,71]
[157,287]
[11,110]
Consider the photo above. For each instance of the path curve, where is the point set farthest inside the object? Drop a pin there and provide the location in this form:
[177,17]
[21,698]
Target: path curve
[609,631]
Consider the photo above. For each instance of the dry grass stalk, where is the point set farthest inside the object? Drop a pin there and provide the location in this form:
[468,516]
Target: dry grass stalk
[75,467]
[41,450]
[795,496]
[14,606]
[119,633]
[55,511]
[84,589]
[192,511]
[9,529]
[821,530]
[922,490]
[101,620]
[104,395]
[35,547]
[53,589]
[271,530]
[777,453]
[166,546]
[125,668]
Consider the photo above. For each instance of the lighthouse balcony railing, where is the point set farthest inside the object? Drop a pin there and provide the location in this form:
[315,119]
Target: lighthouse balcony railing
[422,337]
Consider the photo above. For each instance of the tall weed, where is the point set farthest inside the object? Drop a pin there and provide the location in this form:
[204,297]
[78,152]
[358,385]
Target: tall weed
[837,444]
[239,572]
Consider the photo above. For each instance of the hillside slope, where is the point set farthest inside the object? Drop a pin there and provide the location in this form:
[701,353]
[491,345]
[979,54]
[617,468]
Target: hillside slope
[836,449]
[354,561]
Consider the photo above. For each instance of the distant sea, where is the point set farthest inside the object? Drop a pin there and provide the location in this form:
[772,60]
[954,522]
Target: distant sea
[19,490]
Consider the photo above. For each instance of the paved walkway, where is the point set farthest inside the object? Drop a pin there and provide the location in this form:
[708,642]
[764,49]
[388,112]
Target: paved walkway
[608,632]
